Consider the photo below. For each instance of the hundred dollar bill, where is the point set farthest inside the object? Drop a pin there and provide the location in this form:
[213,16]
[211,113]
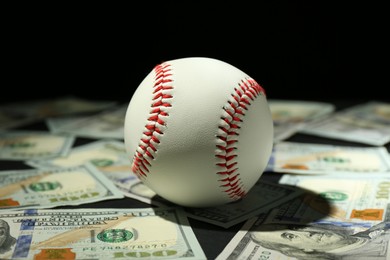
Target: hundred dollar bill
[52,187]
[363,198]
[108,156]
[37,145]
[291,115]
[134,188]
[258,239]
[366,123]
[106,124]
[81,234]
[310,158]
[137,190]
[55,124]
[261,198]
[21,113]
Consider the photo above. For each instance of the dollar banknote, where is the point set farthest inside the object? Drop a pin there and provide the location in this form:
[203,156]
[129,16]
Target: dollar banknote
[52,187]
[366,123]
[33,145]
[20,113]
[311,158]
[362,198]
[106,124]
[311,226]
[265,195]
[134,188]
[291,115]
[108,156]
[262,197]
[147,233]
[259,239]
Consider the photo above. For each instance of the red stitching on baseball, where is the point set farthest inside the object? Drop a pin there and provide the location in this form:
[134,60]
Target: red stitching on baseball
[226,152]
[150,140]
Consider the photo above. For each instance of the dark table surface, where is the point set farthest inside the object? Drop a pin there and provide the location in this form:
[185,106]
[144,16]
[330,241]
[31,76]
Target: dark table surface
[212,238]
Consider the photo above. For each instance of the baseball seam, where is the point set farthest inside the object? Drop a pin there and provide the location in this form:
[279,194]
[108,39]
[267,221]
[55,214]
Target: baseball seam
[154,129]
[227,138]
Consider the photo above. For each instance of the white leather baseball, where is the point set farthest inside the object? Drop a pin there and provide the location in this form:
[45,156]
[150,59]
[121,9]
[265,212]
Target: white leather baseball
[198,131]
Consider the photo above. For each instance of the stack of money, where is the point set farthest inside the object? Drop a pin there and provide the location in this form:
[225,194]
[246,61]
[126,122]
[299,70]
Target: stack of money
[67,190]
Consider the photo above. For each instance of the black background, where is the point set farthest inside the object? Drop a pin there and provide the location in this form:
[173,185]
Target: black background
[295,49]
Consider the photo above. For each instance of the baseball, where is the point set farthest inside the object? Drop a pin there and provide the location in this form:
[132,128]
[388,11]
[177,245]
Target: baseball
[198,132]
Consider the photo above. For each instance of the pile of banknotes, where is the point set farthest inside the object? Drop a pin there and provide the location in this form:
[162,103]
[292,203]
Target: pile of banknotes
[323,199]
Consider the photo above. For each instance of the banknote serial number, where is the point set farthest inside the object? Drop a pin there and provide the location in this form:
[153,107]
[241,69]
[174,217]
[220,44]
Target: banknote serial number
[159,246]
